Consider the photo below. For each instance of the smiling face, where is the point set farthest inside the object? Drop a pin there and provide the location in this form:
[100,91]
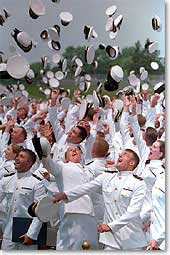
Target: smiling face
[23,162]
[125,161]
[155,152]
[73,154]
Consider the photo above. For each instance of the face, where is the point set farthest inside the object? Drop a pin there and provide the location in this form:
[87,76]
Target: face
[9,154]
[125,161]
[23,162]
[74,136]
[16,135]
[21,113]
[155,153]
[73,154]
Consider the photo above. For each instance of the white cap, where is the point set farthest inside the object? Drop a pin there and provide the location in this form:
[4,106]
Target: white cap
[17,66]
[111,10]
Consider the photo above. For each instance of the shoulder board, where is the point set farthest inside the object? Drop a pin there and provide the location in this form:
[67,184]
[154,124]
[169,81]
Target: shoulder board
[89,163]
[138,177]
[6,175]
[37,177]
[163,166]
[111,172]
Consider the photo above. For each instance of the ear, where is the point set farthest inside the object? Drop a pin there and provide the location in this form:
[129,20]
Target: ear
[161,155]
[132,163]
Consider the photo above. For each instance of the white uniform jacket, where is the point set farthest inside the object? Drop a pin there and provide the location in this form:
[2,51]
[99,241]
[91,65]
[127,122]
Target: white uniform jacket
[68,175]
[149,175]
[157,228]
[123,196]
[21,190]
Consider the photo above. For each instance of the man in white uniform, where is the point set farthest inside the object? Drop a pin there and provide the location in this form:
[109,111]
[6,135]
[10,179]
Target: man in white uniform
[21,189]
[123,195]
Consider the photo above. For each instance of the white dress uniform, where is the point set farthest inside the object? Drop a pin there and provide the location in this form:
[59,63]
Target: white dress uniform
[95,168]
[150,174]
[77,221]
[157,227]
[123,196]
[21,190]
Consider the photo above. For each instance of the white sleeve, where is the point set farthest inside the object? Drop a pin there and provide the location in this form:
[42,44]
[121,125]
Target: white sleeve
[84,189]
[53,167]
[138,136]
[124,130]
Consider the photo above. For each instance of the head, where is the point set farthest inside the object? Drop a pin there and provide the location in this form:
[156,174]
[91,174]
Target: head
[90,114]
[150,136]
[25,160]
[18,135]
[76,135]
[22,113]
[141,120]
[100,148]
[84,123]
[73,154]
[157,150]
[127,160]
[12,151]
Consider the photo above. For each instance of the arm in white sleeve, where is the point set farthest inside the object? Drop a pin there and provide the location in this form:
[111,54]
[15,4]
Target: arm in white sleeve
[138,108]
[150,116]
[53,167]
[138,135]
[54,121]
[36,224]
[71,118]
[124,130]
[87,188]
[12,112]
[133,210]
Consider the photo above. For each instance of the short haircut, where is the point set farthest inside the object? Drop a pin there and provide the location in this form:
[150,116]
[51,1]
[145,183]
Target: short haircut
[101,147]
[16,148]
[162,148]
[31,155]
[134,157]
[83,133]
[151,135]
[90,113]
[141,120]
[24,132]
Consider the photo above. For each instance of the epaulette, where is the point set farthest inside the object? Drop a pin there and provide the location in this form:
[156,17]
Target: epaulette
[111,172]
[6,175]
[89,163]
[37,177]
[138,177]
[163,166]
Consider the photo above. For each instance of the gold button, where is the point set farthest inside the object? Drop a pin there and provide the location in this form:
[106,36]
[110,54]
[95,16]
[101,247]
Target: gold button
[115,188]
[15,199]
[120,177]
[116,213]
[15,210]
[115,201]
[16,188]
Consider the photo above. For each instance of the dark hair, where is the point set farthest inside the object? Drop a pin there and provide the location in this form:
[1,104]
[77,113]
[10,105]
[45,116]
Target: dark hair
[31,155]
[161,131]
[83,133]
[141,120]
[24,132]
[151,135]
[90,113]
[162,148]
[134,156]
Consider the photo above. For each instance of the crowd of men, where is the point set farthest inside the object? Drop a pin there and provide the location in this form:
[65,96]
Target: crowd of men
[106,171]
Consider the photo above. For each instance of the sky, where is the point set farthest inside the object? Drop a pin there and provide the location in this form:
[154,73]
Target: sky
[137,17]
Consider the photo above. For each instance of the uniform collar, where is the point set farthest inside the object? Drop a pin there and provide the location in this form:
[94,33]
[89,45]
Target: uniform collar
[25,174]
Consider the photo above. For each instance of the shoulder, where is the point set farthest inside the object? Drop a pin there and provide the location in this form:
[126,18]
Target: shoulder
[137,177]
[8,175]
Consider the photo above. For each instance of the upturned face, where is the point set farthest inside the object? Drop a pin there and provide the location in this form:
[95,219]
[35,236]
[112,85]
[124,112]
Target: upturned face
[155,153]
[74,136]
[9,154]
[73,154]
[22,162]
[125,161]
